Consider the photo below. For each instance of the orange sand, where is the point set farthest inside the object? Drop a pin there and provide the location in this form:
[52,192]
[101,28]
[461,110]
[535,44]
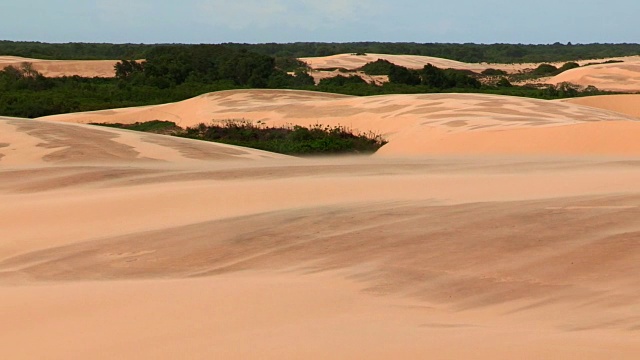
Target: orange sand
[628,104]
[494,228]
[623,77]
[352,62]
[413,124]
[56,68]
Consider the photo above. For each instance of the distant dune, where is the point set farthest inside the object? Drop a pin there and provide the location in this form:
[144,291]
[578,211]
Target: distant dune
[608,75]
[623,76]
[353,61]
[628,104]
[414,124]
[56,68]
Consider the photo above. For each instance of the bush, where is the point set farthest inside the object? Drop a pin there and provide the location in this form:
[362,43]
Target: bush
[545,70]
[568,66]
[493,72]
[379,67]
[291,140]
[504,82]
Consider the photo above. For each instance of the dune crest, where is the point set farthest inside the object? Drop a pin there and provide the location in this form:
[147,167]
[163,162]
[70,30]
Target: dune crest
[353,62]
[623,77]
[413,124]
[29,142]
[627,104]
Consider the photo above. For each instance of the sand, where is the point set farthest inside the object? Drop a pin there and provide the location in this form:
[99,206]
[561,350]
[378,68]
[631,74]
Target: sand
[628,104]
[515,236]
[416,124]
[621,77]
[57,68]
[352,62]
[618,77]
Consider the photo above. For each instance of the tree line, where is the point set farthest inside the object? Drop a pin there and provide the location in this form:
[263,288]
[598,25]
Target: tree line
[174,73]
[495,53]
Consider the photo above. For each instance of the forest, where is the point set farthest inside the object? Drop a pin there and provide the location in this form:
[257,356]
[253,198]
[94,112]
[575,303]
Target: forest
[493,53]
[176,72]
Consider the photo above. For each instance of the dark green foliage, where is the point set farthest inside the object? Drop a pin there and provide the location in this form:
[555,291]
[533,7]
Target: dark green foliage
[291,140]
[177,72]
[342,81]
[493,53]
[73,51]
[402,75]
[378,67]
[604,62]
[568,66]
[169,66]
[504,82]
[125,69]
[303,79]
[437,78]
[494,72]
[434,77]
[153,126]
[296,140]
[545,70]
[286,63]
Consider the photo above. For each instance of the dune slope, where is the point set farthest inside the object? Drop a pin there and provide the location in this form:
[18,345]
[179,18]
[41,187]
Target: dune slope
[353,61]
[57,68]
[623,77]
[627,104]
[413,124]
[118,244]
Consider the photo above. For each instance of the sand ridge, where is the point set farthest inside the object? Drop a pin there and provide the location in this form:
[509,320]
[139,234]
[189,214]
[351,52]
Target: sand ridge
[27,142]
[353,62]
[58,68]
[621,77]
[413,124]
[628,104]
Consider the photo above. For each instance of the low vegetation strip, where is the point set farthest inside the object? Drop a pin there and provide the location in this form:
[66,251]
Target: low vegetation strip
[291,140]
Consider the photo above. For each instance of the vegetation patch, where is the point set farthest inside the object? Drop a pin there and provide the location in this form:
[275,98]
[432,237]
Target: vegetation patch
[291,140]
[153,126]
[177,72]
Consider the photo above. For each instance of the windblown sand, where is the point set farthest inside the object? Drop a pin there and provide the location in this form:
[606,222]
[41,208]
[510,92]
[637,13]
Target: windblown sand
[516,237]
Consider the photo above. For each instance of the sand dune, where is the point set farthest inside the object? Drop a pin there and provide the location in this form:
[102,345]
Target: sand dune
[28,142]
[628,104]
[56,68]
[624,77]
[116,244]
[413,124]
[352,62]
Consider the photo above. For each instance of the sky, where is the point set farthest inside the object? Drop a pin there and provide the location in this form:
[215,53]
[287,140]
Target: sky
[281,21]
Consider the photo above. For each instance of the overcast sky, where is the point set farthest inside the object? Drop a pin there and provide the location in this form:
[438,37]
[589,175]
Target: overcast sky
[260,21]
